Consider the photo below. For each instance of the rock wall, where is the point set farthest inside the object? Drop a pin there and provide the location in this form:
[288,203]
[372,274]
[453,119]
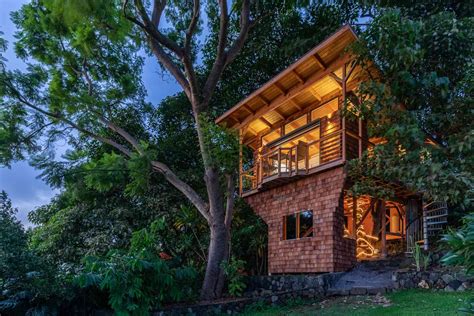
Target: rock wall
[440,279]
[268,289]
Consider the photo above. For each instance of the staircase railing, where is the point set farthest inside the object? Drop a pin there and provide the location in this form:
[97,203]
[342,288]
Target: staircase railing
[428,224]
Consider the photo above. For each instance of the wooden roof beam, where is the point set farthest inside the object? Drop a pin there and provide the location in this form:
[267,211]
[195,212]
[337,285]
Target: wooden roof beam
[281,115]
[315,94]
[295,104]
[280,88]
[248,109]
[319,61]
[336,79]
[263,99]
[298,89]
[298,76]
[266,122]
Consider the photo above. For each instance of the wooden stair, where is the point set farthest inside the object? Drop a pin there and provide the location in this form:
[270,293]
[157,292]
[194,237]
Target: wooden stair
[433,220]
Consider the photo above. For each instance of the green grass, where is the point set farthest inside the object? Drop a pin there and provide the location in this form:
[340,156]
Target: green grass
[403,303]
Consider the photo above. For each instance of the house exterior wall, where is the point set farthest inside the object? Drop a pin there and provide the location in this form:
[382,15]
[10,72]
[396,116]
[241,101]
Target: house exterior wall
[327,250]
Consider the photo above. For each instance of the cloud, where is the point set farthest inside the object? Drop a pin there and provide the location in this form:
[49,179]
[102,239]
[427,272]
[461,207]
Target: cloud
[24,189]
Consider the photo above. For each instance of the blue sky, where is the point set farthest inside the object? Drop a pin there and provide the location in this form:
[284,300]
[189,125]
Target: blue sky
[20,181]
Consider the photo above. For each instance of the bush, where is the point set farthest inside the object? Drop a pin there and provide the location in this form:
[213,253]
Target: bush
[461,251]
[139,279]
[461,245]
[233,272]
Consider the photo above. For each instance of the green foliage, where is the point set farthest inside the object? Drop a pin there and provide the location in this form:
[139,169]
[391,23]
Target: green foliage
[25,278]
[223,145]
[423,90]
[138,279]
[461,245]
[233,271]
[421,259]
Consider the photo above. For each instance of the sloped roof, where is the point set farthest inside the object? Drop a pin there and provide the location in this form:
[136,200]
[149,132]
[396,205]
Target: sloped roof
[311,78]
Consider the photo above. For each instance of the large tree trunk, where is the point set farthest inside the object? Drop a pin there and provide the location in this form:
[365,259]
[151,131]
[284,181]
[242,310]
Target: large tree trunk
[218,253]
[219,243]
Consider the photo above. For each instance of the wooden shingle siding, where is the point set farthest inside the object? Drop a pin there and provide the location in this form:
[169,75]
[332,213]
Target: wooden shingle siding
[328,250]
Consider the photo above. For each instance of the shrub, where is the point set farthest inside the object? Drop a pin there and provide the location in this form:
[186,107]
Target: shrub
[233,272]
[139,279]
[461,251]
[461,245]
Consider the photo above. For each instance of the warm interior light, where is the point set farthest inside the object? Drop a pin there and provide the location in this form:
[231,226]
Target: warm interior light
[365,243]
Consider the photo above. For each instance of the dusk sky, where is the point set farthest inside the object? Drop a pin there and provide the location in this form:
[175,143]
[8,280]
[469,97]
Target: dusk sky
[20,181]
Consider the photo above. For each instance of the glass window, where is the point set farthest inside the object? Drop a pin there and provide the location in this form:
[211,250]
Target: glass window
[295,124]
[268,138]
[298,225]
[306,224]
[325,110]
[290,225]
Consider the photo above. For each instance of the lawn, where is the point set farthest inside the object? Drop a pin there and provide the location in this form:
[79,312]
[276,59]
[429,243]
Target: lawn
[408,302]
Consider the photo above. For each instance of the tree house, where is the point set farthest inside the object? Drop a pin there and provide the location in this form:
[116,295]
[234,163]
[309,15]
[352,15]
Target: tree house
[295,177]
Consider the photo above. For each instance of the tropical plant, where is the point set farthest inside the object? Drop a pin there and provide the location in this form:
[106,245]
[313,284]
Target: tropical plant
[421,259]
[460,243]
[234,272]
[139,279]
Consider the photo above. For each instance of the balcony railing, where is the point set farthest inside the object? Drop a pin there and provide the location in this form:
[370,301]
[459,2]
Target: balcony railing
[336,145]
[284,162]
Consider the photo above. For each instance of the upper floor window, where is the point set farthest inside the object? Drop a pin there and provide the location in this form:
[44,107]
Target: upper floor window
[325,110]
[298,225]
[295,124]
[270,137]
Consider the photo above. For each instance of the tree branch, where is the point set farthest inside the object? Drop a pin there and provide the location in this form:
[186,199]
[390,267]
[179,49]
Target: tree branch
[192,26]
[158,7]
[245,25]
[156,40]
[183,187]
[168,63]
[223,57]
[152,29]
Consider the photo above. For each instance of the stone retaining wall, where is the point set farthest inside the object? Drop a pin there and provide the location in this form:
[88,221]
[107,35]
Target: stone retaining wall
[441,279]
[261,285]
[274,289]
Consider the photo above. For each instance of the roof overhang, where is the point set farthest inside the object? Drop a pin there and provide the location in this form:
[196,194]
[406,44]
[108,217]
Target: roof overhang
[322,63]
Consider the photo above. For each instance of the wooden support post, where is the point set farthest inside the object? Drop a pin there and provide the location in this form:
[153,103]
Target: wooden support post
[384,228]
[241,132]
[344,118]
[354,217]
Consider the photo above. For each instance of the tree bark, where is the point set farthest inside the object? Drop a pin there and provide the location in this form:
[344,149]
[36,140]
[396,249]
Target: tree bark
[218,253]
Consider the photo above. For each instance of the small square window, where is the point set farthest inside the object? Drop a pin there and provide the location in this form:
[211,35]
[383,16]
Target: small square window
[298,225]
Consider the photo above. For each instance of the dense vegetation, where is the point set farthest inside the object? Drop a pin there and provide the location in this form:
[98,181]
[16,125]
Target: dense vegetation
[119,235]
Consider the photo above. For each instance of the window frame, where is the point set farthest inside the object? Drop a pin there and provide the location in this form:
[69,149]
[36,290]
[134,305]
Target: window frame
[298,225]
[310,122]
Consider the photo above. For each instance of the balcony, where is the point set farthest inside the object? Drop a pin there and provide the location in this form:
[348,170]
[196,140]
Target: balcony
[280,164]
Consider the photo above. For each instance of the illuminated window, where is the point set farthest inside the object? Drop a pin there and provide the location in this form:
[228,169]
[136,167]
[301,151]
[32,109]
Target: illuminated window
[298,225]
[295,124]
[325,110]
[268,138]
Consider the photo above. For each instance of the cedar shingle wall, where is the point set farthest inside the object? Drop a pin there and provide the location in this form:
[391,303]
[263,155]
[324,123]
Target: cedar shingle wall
[327,251]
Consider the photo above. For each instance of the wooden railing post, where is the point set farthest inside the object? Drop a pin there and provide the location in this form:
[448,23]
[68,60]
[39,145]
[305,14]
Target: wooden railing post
[240,162]
[306,158]
[279,161]
[344,74]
